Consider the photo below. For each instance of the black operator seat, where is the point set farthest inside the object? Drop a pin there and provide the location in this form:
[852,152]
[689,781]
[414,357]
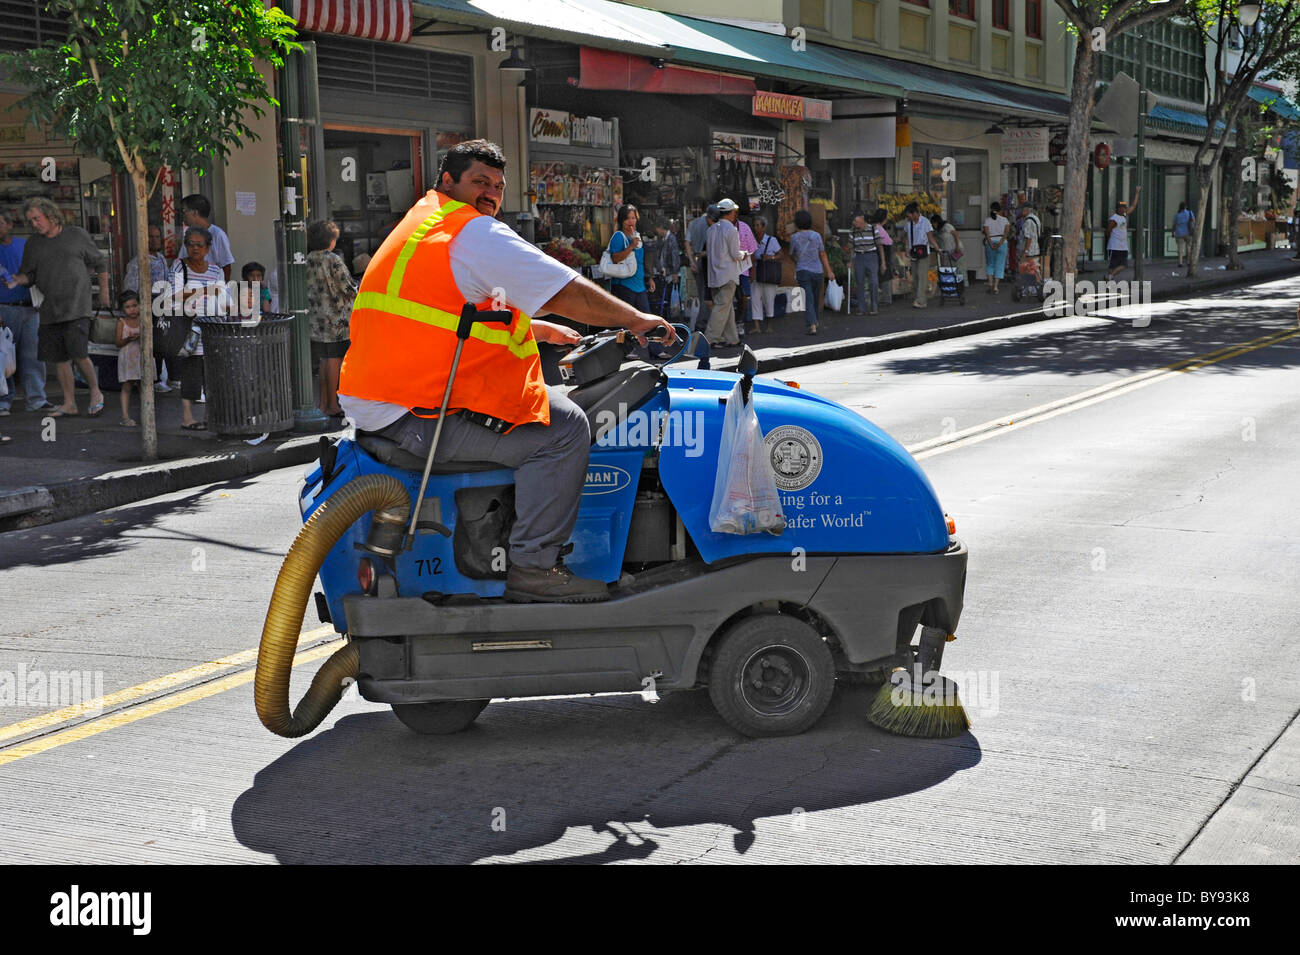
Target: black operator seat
[389,452]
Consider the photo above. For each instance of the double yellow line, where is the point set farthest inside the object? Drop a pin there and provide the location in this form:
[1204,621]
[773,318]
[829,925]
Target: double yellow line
[157,695]
[160,695]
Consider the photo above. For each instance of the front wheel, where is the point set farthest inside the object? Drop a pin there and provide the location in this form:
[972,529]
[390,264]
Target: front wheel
[439,719]
[772,675]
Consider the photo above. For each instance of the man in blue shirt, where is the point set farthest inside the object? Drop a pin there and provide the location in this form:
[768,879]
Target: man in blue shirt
[1183,229]
[17,315]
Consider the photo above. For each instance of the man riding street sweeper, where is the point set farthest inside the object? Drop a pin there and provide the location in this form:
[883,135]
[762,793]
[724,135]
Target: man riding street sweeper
[450,249]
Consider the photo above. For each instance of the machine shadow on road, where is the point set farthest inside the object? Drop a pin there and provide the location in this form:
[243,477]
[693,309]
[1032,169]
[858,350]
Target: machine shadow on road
[1114,347]
[530,773]
[105,533]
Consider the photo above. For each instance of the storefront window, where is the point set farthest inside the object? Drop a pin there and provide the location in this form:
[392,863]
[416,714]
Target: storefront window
[864,20]
[372,177]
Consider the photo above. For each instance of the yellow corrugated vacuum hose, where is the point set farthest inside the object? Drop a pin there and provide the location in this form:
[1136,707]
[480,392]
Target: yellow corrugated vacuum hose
[289,603]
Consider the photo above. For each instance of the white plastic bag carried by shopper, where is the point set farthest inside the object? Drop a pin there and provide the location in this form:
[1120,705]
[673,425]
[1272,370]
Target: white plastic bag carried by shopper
[745,499]
[834,296]
[8,358]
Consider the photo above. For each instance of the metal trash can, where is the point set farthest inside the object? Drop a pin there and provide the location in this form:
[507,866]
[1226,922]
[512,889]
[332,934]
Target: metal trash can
[246,372]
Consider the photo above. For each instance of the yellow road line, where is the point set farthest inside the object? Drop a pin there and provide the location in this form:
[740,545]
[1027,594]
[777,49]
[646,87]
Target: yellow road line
[1044,412]
[153,707]
[100,703]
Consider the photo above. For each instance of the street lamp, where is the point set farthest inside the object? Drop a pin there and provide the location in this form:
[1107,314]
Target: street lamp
[1248,12]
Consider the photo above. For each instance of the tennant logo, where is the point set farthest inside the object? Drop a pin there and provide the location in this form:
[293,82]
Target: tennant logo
[605,479]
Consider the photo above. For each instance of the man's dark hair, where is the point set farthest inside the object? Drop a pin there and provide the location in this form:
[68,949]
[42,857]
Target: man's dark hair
[995,207]
[461,156]
[197,203]
[912,207]
[803,219]
[250,268]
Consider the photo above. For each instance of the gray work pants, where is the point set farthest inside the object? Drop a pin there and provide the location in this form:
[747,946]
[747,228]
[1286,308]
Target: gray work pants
[549,461]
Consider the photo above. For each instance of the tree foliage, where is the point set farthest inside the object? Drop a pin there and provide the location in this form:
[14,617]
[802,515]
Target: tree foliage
[142,83]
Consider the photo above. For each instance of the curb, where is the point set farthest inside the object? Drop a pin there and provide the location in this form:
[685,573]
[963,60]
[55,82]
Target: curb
[855,347]
[34,506]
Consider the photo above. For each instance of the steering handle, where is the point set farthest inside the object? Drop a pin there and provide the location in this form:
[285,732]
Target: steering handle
[469,315]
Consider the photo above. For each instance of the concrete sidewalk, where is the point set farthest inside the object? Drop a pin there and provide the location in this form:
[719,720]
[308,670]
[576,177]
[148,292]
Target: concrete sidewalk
[81,465]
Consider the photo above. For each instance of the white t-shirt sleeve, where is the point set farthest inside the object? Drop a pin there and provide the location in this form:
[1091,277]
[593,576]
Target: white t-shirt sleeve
[489,255]
[220,254]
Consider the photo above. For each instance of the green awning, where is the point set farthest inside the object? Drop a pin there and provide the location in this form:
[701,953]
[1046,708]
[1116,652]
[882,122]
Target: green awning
[1274,101]
[705,43]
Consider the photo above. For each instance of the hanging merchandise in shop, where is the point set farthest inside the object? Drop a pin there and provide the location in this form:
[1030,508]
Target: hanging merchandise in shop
[745,163]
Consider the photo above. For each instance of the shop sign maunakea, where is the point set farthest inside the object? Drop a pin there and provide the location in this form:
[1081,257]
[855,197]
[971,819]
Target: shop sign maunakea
[777,105]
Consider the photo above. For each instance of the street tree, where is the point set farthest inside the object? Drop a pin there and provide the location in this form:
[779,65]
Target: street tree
[1272,49]
[144,84]
[1095,23]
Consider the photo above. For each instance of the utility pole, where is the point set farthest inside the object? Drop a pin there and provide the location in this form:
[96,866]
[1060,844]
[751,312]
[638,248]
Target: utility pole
[1139,233]
[293,300]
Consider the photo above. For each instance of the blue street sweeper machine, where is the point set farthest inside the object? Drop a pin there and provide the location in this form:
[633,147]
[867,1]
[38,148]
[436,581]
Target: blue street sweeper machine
[866,577]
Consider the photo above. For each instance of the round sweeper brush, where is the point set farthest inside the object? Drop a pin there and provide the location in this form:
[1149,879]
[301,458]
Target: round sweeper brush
[928,707]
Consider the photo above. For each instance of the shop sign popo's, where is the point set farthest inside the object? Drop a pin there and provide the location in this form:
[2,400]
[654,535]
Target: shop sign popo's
[1029,144]
[565,129]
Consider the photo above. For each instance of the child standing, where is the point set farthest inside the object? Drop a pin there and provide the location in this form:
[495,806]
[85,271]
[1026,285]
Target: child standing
[128,355]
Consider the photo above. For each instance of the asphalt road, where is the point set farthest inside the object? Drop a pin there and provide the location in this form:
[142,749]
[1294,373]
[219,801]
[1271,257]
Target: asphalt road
[1127,654]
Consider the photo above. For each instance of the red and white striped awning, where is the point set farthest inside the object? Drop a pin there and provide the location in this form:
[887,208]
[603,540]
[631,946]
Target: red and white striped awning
[388,20]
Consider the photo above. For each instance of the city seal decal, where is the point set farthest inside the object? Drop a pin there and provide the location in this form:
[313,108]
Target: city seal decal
[796,456]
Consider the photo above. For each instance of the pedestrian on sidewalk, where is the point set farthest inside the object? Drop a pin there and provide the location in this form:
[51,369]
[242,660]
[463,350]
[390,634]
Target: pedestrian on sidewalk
[200,290]
[330,295]
[667,265]
[1183,220]
[995,247]
[697,239]
[726,263]
[627,241]
[920,243]
[127,340]
[868,263]
[57,262]
[1117,234]
[767,275]
[748,245]
[887,256]
[23,322]
[1030,231]
[809,254]
[159,271]
[197,212]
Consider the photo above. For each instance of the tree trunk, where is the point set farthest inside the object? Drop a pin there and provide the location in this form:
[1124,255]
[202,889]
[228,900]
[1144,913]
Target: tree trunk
[1077,158]
[1232,210]
[148,407]
[1205,173]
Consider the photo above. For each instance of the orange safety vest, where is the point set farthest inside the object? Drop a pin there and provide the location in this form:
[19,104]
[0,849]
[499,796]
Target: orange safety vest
[403,329]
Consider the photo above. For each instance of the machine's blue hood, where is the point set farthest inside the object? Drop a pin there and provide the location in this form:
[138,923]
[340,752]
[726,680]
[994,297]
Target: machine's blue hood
[845,485]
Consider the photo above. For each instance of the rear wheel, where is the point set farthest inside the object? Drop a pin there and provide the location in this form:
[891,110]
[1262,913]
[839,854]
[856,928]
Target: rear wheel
[439,719]
[772,675]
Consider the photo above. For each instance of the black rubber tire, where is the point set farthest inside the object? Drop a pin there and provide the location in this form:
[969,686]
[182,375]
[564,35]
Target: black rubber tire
[439,719]
[790,702]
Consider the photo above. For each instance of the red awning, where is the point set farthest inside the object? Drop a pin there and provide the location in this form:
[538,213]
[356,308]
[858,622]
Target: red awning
[388,20]
[607,70]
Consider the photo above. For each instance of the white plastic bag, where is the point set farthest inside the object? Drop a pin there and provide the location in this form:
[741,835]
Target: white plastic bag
[834,296]
[745,499]
[8,356]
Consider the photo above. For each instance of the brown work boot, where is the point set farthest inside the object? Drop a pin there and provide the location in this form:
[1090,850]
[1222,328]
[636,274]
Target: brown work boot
[555,584]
